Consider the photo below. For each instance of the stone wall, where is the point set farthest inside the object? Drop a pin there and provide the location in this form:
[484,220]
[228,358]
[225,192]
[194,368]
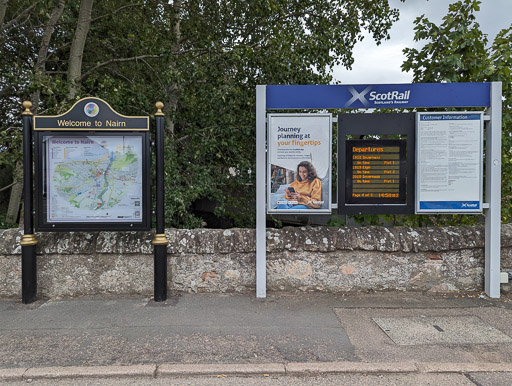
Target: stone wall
[336,260]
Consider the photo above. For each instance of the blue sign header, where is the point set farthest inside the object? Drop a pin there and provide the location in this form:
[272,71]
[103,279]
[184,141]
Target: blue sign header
[379,96]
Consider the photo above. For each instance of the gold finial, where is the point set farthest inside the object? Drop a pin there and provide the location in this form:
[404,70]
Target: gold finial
[160,239]
[159,106]
[27,105]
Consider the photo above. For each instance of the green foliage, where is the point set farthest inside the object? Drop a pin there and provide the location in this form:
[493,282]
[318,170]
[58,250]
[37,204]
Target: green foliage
[418,220]
[4,224]
[336,221]
[458,51]
[202,58]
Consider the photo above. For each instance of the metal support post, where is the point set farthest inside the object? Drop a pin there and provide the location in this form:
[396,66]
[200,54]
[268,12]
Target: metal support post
[261,167]
[493,194]
[160,240]
[29,241]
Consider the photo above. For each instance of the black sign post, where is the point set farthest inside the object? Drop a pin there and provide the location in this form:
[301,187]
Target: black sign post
[160,240]
[92,173]
[29,241]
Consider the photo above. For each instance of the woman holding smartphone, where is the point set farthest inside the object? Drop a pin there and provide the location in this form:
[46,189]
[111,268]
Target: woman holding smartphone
[306,191]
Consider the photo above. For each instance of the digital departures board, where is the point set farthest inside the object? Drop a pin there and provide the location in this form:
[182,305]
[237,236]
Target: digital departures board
[376,172]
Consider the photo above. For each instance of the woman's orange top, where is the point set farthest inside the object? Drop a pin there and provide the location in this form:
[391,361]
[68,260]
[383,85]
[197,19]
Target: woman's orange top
[310,193]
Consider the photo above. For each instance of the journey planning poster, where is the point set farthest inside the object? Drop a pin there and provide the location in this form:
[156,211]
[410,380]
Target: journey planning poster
[299,170]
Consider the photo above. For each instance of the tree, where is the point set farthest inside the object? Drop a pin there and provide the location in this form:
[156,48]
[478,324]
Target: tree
[76,51]
[458,51]
[202,58]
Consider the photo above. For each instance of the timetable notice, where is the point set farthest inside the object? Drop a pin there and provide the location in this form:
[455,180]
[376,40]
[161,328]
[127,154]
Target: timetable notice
[375,171]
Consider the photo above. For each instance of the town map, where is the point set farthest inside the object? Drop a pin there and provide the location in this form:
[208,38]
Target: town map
[94,178]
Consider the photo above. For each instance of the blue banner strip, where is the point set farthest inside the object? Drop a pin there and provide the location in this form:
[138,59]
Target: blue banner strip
[450,205]
[379,96]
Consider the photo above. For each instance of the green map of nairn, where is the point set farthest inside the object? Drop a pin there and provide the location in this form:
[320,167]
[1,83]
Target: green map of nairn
[94,178]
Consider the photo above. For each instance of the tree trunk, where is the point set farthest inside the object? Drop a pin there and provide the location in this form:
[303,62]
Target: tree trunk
[39,68]
[77,47]
[17,188]
[3,9]
[16,192]
[173,89]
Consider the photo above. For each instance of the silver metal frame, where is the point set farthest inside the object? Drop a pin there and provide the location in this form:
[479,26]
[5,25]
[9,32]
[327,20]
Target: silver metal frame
[261,161]
[493,194]
[492,203]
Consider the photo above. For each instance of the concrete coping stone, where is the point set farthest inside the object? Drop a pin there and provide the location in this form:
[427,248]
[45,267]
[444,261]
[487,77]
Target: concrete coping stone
[242,240]
[292,368]
[12,374]
[220,369]
[90,372]
[433,367]
[350,367]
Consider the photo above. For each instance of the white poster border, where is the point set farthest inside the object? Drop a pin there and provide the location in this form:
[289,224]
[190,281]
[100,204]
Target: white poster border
[270,149]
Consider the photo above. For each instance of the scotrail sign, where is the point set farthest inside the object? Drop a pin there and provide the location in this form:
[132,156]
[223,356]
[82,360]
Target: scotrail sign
[368,97]
[378,96]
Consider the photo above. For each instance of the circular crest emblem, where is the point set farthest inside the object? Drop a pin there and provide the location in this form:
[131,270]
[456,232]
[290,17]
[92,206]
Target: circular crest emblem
[91,109]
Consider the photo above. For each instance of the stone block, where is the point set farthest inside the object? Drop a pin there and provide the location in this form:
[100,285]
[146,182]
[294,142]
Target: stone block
[208,273]
[72,275]
[506,235]
[316,239]
[236,240]
[423,239]
[66,243]
[465,237]
[376,238]
[10,276]
[10,241]
[124,242]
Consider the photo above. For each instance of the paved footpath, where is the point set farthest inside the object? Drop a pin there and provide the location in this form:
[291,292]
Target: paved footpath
[398,338]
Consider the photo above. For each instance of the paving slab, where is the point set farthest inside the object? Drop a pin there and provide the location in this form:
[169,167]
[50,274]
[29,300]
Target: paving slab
[413,300]
[372,344]
[494,379]
[440,330]
[6,304]
[441,367]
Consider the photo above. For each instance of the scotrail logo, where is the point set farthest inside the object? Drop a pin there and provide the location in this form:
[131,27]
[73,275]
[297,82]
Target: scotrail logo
[470,205]
[393,97]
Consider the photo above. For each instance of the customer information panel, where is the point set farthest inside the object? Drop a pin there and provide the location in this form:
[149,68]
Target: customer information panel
[449,154]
